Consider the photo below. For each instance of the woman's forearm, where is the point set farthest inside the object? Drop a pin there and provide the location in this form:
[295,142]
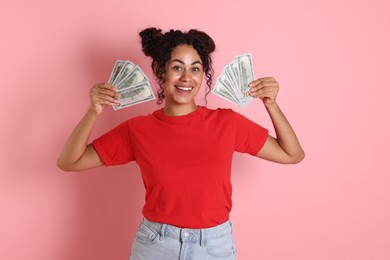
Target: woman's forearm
[76,145]
[285,135]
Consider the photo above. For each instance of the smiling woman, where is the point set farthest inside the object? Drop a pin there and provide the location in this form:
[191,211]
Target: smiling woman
[184,151]
[184,76]
[160,47]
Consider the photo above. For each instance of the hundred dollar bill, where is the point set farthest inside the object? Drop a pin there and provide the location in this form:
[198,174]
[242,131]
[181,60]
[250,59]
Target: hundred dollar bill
[227,78]
[232,72]
[236,70]
[233,83]
[127,68]
[136,77]
[115,71]
[135,95]
[246,71]
[245,101]
[229,85]
[220,90]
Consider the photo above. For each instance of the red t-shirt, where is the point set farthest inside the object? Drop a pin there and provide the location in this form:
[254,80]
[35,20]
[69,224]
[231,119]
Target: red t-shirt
[185,161]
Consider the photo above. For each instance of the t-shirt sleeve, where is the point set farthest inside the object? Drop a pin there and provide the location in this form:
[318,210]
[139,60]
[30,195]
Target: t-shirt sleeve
[114,147]
[250,137]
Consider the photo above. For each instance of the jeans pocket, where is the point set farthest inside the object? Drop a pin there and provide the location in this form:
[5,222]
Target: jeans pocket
[221,247]
[145,234]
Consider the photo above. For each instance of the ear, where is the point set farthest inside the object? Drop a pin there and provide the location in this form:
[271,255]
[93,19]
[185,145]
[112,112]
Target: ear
[155,68]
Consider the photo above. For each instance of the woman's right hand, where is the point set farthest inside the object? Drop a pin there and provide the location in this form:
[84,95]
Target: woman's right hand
[101,96]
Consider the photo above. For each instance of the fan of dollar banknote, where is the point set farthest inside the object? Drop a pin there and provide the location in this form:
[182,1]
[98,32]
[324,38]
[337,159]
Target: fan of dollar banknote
[232,84]
[132,84]
[134,87]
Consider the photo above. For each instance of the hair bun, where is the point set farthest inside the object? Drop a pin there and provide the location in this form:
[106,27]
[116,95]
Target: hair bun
[150,40]
[203,39]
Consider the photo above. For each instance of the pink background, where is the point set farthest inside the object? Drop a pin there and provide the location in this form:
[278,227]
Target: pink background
[332,60]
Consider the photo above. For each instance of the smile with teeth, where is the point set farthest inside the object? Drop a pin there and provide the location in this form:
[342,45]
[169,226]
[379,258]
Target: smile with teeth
[184,88]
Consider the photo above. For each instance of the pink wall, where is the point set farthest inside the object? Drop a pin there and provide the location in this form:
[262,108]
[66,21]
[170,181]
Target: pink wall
[332,60]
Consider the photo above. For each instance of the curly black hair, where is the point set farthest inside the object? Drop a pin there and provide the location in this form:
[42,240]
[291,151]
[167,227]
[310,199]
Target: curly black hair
[159,47]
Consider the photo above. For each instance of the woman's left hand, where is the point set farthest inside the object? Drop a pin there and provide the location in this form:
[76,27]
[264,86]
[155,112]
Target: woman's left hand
[264,88]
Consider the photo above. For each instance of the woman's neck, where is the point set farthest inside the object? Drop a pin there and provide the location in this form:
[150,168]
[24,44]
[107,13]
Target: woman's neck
[179,109]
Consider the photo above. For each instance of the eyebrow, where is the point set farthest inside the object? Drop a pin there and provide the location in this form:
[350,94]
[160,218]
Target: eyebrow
[182,62]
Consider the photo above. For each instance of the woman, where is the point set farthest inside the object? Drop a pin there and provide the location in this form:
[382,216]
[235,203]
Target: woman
[184,151]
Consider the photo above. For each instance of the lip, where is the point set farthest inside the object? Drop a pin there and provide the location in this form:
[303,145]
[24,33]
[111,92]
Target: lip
[184,90]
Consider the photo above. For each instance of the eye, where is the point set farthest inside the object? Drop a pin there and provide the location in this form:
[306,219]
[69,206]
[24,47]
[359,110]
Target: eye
[196,69]
[177,68]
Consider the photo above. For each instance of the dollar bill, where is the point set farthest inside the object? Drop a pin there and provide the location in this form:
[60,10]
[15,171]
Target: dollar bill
[126,69]
[246,71]
[115,71]
[134,95]
[132,84]
[233,83]
[234,70]
[224,82]
[220,90]
[135,77]
[231,79]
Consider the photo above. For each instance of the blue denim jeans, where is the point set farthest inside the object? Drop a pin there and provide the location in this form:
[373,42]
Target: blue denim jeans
[156,241]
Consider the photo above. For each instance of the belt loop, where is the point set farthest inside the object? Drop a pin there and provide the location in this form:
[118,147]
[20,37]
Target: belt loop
[162,232]
[202,234]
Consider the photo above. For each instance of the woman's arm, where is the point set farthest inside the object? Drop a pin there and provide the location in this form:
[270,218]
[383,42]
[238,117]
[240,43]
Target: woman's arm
[77,154]
[285,148]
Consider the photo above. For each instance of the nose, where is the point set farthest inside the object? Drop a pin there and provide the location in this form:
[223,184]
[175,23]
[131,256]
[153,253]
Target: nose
[185,76]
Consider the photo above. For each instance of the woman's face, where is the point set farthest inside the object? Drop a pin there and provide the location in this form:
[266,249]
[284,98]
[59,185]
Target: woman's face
[184,76]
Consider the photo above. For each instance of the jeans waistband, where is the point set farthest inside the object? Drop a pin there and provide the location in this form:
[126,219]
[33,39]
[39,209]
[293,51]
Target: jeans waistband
[188,234]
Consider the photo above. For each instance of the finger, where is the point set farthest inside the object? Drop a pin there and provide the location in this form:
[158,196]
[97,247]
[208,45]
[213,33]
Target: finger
[106,101]
[109,86]
[260,80]
[263,83]
[104,87]
[266,81]
[265,92]
[102,95]
[109,95]
[102,90]
[265,86]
